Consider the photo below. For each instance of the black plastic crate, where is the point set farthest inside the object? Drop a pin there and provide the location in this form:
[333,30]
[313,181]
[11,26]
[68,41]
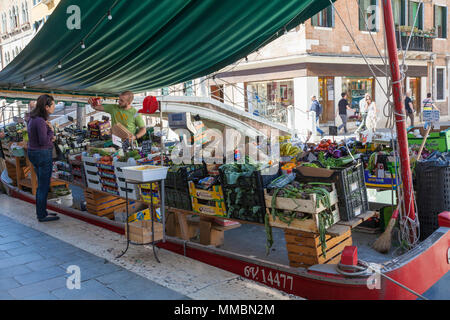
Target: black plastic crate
[179,179]
[433,196]
[350,187]
[178,199]
[253,198]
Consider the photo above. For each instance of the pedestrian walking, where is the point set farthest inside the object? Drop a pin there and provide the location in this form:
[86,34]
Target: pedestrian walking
[363,110]
[40,150]
[372,118]
[343,106]
[427,104]
[409,107]
[317,108]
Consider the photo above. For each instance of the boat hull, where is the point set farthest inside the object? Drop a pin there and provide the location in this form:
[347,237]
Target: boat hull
[419,269]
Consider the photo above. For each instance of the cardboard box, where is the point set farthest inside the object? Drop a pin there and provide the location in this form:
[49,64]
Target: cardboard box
[141,231]
[121,213]
[120,131]
[315,172]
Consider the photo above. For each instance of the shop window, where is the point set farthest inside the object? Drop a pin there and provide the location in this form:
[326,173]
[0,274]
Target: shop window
[356,88]
[368,15]
[324,18]
[440,84]
[440,21]
[415,7]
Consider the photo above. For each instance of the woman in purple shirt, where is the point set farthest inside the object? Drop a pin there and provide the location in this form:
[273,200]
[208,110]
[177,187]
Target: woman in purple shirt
[40,149]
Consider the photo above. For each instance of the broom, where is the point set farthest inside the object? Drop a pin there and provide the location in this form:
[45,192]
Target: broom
[383,243]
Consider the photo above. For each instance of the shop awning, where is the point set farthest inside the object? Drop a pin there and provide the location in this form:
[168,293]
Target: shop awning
[147,44]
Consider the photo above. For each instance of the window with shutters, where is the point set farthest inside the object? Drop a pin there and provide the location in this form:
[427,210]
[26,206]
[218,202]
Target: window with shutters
[399,11]
[324,18]
[416,14]
[440,84]
[368,15]
[440,21]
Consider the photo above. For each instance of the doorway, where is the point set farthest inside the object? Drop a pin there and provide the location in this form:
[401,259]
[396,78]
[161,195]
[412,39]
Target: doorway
[414,88]
[326,98]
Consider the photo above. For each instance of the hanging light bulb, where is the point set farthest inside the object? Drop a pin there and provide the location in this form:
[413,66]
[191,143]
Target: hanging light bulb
[42,78]
[109,15]
[24,85]
[59,65]
[83,45]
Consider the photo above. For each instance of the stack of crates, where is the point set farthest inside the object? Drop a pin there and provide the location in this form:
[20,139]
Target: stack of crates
[108,178]
[176,185]
[91,173]
[351,188]
[99,129]
[133,190]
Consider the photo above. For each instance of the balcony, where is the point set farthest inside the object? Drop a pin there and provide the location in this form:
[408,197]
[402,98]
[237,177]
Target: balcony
[418,43]
[421,40]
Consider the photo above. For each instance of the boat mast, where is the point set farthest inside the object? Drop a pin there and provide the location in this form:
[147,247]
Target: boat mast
[400,118]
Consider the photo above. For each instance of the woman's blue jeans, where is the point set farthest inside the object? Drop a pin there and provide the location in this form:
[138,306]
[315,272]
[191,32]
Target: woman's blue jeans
[43,165]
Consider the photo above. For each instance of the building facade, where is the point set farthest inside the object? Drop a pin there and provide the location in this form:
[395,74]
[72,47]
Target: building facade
[20,20]
[342,49]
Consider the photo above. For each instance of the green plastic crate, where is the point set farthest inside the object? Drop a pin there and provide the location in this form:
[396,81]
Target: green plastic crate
[439,141]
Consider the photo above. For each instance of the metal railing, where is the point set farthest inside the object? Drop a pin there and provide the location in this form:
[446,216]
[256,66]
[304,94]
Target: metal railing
[418,43]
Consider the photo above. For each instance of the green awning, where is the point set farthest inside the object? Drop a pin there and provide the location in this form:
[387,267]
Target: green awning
[148,44]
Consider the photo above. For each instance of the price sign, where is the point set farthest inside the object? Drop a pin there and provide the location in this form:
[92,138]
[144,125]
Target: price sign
[431,115]
[147,147]
[126,145]
[116,140]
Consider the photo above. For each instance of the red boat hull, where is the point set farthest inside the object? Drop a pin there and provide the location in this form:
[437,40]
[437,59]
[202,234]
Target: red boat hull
[418,270]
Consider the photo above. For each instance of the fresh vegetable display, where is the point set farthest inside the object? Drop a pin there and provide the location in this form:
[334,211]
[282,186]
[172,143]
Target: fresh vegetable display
[297,190]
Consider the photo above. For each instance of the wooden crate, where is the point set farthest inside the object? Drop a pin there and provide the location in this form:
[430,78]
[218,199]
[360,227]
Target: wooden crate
[101,204]
[141,231]
[306,206]
[304,248]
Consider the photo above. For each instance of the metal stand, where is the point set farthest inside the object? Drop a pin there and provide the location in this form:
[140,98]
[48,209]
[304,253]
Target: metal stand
[163,216]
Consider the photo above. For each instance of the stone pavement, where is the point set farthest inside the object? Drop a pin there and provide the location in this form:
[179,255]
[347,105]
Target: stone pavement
[33,266]
[45,250]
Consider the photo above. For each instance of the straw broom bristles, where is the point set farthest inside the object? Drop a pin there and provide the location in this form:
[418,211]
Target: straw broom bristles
[383,243]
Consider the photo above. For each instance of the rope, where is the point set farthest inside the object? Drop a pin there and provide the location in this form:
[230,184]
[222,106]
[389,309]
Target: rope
[362,269]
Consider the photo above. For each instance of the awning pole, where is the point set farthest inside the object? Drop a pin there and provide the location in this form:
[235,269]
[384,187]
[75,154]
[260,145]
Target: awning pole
[400,115]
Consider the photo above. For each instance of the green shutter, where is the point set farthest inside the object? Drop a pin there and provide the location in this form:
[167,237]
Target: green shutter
[444,22]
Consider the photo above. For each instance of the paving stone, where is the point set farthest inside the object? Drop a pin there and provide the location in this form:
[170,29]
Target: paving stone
[40,275]
[33,234]
[8,283]
[22,250]
[23,259]
[133,286]
[11,245]
[118,276]
[98,271]
[90,290]
[39,288]
[13,271]
[5,296]
[4,255]
[43,264]
[11,238]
